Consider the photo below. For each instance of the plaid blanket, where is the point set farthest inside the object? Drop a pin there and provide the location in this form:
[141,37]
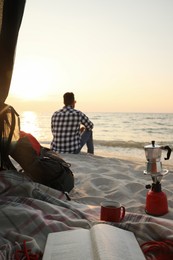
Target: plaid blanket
[30,211]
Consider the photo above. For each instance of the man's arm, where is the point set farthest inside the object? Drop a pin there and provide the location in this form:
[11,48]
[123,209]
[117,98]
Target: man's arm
[87,122]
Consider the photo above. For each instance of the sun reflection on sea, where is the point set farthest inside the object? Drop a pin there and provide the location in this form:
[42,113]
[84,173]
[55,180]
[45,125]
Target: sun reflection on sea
[29,123]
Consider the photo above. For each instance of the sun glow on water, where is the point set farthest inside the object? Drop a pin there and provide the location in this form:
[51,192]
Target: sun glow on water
[29,122]
[37,125]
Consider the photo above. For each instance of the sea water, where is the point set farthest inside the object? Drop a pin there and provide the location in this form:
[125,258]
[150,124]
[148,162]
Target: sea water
[119,135]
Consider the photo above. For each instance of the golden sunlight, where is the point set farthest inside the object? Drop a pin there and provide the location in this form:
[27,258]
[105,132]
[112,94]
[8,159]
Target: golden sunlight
[31,80]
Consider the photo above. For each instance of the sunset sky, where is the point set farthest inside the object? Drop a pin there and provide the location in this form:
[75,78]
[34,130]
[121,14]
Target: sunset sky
[115,55]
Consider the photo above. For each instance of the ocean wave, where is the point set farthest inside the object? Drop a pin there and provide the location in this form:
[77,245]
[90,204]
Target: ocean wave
[127,144]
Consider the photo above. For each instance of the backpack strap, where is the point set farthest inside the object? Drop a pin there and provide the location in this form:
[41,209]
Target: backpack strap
[8,123]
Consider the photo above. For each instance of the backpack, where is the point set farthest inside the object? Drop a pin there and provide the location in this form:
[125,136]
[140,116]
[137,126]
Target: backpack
[45,167]
[39,163]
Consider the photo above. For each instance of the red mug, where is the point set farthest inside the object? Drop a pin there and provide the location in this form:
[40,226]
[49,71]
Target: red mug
[112,211]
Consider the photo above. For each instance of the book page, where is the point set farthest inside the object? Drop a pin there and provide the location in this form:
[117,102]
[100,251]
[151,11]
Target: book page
[111,243]
[69,245]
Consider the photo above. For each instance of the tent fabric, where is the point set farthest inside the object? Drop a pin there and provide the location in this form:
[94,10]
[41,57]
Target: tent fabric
[11,14]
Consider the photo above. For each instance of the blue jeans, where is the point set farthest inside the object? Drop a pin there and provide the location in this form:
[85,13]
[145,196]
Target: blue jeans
[87,138]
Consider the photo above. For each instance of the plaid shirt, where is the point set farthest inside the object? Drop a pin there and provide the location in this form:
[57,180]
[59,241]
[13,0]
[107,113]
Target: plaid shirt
[65,126]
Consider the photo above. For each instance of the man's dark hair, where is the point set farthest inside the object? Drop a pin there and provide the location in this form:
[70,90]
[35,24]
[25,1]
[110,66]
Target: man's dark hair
[68,98]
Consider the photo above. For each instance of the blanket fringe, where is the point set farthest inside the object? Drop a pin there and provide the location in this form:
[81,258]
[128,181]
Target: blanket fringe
[158,250]
[26,254]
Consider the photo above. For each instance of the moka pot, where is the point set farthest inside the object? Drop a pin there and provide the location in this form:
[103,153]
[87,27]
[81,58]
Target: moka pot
[156,199]
[153,154]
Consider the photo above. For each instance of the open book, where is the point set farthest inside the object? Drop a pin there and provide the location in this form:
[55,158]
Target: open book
[101,242]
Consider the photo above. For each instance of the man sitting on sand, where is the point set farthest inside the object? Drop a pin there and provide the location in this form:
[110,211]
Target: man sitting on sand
[68,135]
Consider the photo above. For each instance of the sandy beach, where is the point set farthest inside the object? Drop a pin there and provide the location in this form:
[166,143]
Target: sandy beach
[30,211]
[98,178]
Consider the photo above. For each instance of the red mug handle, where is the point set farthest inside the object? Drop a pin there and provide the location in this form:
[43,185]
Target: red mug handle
[122,212]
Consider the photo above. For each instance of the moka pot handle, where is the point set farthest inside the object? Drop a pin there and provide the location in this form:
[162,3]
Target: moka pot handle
[168,153]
